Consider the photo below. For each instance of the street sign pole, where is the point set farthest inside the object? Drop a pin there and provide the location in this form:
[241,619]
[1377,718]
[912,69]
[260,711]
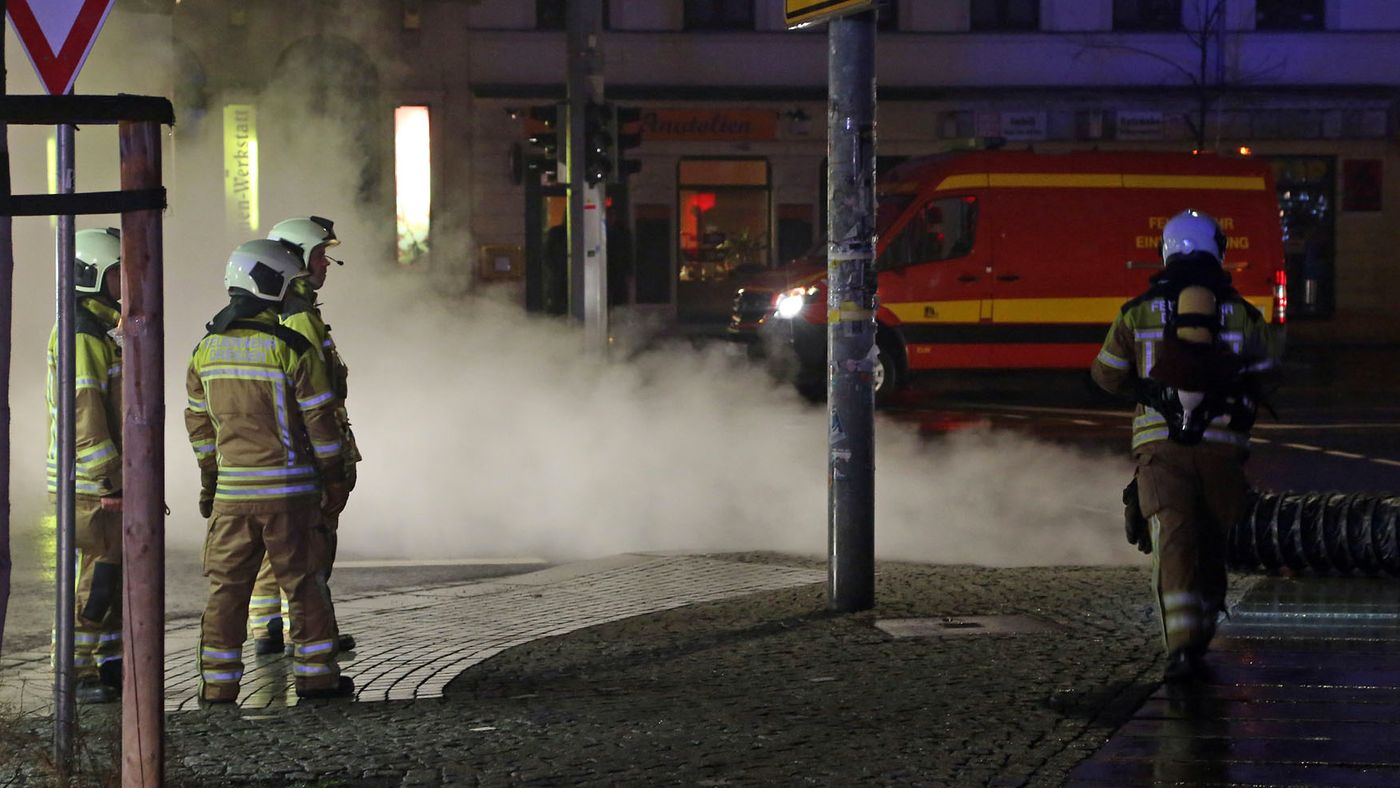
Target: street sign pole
[588,253]
[66,305]
[851,284]
[57,40]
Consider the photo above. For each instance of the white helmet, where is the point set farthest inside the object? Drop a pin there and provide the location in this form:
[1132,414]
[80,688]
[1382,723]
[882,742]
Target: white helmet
[264,268]
[95,251]
[1192,231]
[306,234]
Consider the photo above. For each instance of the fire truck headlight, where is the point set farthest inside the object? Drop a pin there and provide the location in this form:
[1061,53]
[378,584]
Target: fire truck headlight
[790,304]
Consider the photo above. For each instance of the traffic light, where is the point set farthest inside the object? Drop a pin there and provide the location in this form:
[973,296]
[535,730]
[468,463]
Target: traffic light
[543,134]
[627,122]
[598,137]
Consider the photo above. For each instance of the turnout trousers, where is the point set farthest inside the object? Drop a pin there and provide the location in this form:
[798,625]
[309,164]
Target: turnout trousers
[97,616]
[268,602]
[233,550]
[1191,495]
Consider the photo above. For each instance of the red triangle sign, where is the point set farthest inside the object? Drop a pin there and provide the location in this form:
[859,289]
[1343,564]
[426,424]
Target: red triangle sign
[57,35]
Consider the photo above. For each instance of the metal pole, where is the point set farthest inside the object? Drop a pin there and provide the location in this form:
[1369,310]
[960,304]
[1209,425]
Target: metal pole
[143,466]
[588,257]
[7,269]
[65,710]
[850,343]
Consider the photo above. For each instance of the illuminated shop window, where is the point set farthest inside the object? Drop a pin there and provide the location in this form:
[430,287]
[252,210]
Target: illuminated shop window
[241,166]
[412,181]
[724,218]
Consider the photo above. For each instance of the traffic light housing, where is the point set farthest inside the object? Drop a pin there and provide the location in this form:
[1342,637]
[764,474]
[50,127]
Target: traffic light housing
[627,122]
[599,136]
[543,134]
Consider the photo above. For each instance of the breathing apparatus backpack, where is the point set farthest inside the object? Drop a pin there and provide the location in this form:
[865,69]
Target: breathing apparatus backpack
[1197,376]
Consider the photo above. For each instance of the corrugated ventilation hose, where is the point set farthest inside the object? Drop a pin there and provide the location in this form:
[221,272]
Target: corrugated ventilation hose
[1325,533]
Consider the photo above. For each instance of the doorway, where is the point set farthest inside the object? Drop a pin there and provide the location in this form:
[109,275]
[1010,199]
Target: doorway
[723,219]
[1306,187]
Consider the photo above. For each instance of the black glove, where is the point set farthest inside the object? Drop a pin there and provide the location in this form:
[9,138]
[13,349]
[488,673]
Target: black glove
[1135,525]
[334,496]
[1157,396]
[208,481]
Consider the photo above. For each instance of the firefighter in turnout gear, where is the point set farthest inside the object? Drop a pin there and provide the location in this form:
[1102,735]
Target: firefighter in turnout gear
[261,419]
[97,501]
[313,236]
[1190,351]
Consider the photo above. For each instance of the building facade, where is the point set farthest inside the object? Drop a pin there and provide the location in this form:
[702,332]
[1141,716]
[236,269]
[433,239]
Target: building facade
[733,121]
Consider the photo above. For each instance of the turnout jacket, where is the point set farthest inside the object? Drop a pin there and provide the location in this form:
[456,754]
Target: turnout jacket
[1130,349]
[261,417]
[302,314]
[98,396]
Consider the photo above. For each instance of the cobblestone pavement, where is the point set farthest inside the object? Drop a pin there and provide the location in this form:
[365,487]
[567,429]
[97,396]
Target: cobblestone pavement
[411,643]
[763,688]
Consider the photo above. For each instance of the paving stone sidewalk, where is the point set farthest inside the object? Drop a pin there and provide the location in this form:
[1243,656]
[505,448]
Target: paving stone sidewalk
[757,689]
[412,643]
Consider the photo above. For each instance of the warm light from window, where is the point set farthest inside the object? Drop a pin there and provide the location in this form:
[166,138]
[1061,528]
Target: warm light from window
[412,181]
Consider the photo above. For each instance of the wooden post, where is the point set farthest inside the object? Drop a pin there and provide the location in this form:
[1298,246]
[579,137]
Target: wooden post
[143,465]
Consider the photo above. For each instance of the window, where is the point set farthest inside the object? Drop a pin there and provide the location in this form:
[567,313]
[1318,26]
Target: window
[413,177]
[719,14]
[724,221]
[888,16]
[1146,14]
[1288,15]
[554,15]
[723,217]
[943,229]
[1005,14]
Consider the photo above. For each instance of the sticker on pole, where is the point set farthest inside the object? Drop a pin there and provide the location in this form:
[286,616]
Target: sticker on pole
[57,36]
[800,13]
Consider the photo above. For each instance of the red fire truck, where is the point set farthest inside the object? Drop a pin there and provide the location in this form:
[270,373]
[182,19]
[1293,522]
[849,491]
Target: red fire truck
[1017,260]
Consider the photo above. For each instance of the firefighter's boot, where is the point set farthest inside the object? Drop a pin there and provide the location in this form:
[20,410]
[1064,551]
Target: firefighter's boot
[272,641]
[91,690]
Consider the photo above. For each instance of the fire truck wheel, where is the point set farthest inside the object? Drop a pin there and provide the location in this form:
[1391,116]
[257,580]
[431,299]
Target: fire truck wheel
[886,375]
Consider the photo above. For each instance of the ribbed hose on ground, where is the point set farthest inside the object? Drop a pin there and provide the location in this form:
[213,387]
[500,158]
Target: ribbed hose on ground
[1325,533]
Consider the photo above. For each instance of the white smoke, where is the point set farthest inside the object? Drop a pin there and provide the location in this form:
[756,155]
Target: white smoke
[487,432]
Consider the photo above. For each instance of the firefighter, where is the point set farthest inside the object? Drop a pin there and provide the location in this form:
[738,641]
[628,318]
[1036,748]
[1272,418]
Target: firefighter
[300,312]
[1191,352]
[261,419]
[97,500]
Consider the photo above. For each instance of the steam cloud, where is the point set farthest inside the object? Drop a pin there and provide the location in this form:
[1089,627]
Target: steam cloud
[490,433]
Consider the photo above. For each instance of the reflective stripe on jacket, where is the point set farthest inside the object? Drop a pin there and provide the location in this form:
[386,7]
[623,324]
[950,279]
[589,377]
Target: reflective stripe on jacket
[303,316]
[263,415]
[98,399]
[1130,349]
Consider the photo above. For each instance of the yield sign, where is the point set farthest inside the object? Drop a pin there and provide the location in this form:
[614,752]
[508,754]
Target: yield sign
[57,35]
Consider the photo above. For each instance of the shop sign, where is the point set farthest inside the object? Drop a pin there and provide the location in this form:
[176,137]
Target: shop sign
[1139,125]
[709,125]
[241,166]
[1023,126]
